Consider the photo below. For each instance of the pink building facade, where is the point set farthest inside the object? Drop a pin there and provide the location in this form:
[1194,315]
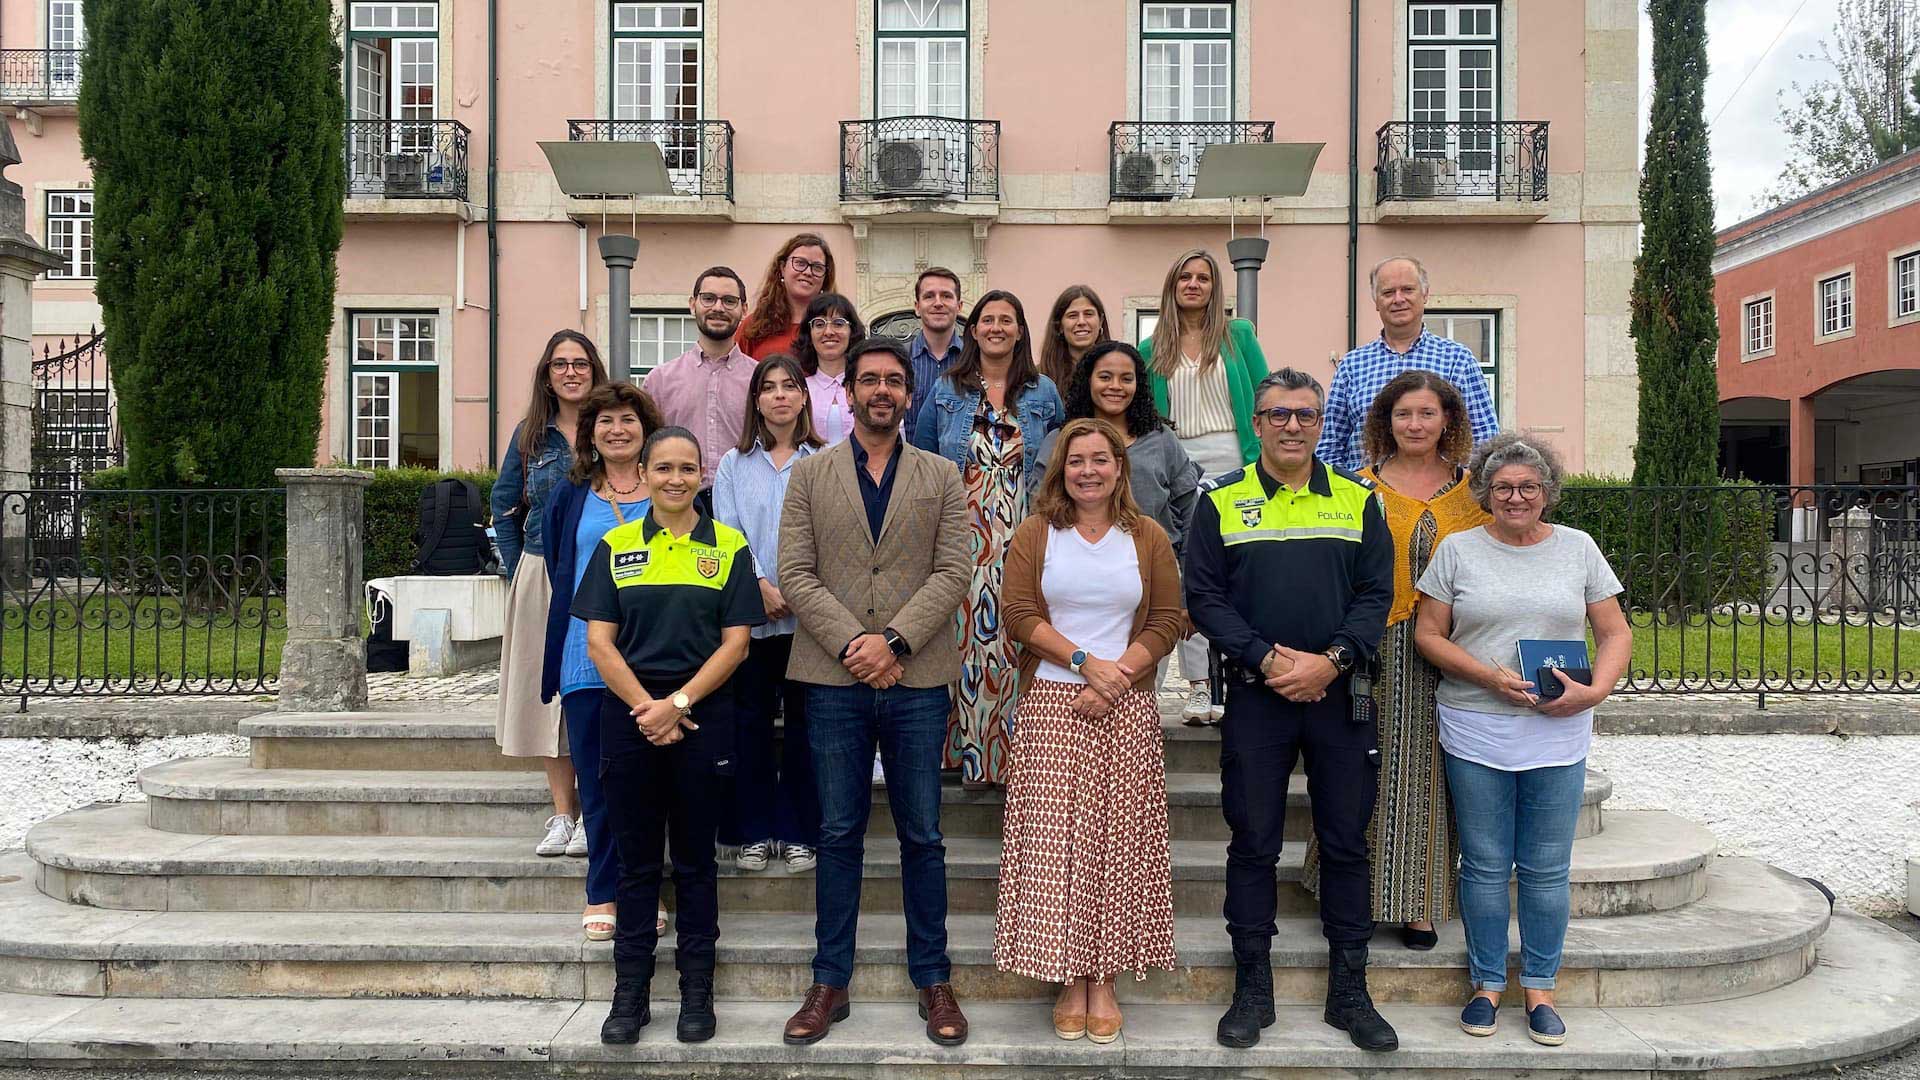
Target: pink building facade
[1050,144]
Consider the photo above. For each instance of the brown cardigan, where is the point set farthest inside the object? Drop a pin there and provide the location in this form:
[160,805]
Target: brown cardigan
[1158,623]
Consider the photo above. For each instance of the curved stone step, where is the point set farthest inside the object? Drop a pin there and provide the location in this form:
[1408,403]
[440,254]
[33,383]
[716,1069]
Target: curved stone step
[107,856]
[1754,931]
[1863,1001]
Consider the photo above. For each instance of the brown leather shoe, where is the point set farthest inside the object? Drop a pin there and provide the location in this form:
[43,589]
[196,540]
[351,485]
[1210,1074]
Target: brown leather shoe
[946,1024]
[824,1005]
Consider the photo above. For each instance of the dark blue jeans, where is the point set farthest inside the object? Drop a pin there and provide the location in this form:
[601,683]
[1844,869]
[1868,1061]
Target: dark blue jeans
[844,723]
[581,711]
[773,795]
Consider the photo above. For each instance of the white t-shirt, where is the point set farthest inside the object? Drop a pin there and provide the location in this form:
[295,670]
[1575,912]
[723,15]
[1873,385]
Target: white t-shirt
[1092,591]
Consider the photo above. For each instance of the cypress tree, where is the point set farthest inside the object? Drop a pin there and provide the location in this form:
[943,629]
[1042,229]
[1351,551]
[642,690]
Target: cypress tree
[215,132]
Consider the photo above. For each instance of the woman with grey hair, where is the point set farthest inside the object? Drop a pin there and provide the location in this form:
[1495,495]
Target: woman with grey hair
[1516,757]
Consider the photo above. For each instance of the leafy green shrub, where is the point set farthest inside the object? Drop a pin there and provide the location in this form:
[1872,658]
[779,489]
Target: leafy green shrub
[1726,534]
[393,513]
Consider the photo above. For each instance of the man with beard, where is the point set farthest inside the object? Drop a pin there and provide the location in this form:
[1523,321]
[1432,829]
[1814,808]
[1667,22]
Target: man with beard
[936,345]
[874,561]
[705,388]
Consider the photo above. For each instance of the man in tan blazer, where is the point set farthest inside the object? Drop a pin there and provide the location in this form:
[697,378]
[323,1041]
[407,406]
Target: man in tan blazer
[874,562]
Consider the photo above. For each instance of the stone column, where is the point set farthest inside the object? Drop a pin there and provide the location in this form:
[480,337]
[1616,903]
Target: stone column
[1851,558]
[324,665]
[21,260]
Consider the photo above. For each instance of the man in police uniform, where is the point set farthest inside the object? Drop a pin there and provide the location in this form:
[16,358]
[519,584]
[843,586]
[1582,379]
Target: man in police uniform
[1290,574]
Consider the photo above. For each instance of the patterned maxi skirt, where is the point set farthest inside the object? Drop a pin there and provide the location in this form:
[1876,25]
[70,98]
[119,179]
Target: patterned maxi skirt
[983,698]
[1085,879]
[1411,838]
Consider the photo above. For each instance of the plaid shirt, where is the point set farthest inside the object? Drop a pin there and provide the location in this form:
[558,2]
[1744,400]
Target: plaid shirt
[1365,371]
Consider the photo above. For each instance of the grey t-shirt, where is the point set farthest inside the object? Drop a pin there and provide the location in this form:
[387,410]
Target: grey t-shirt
[1502,594]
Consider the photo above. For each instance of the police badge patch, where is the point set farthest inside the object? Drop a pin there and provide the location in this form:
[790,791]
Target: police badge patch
[1250,511]
[708,566]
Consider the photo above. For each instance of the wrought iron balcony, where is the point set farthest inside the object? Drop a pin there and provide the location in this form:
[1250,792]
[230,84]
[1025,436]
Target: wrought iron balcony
[919,157]
[699,153]
[406,159]
[1152,160]
[1503,160]
[40,76]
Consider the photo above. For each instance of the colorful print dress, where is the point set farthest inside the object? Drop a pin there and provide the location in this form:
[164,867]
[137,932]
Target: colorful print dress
[982,720]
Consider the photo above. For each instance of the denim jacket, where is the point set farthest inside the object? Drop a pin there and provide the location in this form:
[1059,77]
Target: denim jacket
[516,533]
[946,422]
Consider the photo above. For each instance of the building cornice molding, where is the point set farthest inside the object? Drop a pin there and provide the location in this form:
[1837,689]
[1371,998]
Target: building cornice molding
[1863,204]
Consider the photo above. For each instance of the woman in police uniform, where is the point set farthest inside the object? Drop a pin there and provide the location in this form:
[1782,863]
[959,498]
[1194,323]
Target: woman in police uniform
[669,601]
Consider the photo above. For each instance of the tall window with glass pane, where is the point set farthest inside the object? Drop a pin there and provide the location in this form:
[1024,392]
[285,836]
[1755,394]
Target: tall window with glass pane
[395,388]
[921,67]
[1759,328]
[656,83]
[1906,285]
[1836,304]
[393,75]
[66,37]
[1479,331]
[70,232]
[1453,53]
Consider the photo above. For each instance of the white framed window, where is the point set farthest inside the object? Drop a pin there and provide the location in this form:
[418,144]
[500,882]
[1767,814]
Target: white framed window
[393,65]
[1453,73]
[394,16]
[76,422]
[656,76]
[1186,62]
[70,233]
[1479,331]
[921,50]
[1756,326]
[659,336]
[1836,304]
[395,388]
[66,37]
[1903,287]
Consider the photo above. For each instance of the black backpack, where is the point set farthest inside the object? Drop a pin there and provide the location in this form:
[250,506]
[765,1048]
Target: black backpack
[452,536]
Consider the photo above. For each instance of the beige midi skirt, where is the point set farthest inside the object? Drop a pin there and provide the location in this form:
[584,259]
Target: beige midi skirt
[522,725]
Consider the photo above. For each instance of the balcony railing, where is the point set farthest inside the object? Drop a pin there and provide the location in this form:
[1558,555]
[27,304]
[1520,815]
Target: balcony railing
[1151,159]
[933,157]
[406,159]
[699,153]
[1494,159]
[40,75]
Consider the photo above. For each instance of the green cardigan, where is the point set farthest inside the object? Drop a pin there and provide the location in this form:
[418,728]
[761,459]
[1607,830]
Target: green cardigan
[1246,366]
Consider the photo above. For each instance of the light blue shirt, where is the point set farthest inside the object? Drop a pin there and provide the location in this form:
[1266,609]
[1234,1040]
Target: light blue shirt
[1367,370]
[596,520]
[748,494]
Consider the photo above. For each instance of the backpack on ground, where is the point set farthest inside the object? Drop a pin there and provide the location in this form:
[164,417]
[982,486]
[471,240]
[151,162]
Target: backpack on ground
[452,535]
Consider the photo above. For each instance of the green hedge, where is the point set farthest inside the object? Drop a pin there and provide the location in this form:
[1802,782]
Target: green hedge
[210,547]
[1727,533]
[393,513]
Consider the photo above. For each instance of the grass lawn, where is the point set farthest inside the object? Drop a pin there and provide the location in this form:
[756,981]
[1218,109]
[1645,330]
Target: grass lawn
[118,637]
[1730,645]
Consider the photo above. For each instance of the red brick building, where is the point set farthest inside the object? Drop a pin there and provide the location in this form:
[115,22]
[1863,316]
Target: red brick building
[1819,362]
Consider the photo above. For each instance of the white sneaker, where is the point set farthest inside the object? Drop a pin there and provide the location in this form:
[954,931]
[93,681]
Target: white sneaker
[800,858]
[879,774]
[577,847]
[753,857]
[1199,706]
[559,835]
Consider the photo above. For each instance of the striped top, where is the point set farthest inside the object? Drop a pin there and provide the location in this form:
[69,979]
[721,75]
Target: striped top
[1198,400]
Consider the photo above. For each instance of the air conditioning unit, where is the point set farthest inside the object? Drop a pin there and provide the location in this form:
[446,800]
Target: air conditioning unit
[908,166]
[1421,178]
[405,174]
[1145,176]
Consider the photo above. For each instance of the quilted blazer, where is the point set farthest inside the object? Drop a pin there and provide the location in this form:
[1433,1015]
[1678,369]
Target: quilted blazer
[841,581]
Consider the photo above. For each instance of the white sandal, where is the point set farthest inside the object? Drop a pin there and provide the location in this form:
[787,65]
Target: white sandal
[598,925]
[660,922]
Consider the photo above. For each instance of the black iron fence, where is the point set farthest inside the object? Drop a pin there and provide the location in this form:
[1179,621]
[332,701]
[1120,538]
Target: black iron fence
[40,76]
[1150,159]
[1763,589]
[407,159]
[698,153]
[1496,159]
[147,592]
[919,157]
[76,431]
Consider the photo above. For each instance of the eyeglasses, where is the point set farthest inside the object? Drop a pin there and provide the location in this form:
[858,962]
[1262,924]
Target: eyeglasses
[707,299]
[891,382]
[807,266]
[836,323]
[560,365]
[1279,415]
[1527,491]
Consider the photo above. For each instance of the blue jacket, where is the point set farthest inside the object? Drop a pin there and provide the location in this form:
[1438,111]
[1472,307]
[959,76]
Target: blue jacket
[946,422]
[547,470]
[560,521]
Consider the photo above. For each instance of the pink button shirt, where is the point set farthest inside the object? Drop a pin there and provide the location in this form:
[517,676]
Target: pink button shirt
[832,410]
[707,397]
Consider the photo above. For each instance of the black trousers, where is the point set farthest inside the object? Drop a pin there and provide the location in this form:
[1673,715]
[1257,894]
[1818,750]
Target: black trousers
[657,794]
[1261,737]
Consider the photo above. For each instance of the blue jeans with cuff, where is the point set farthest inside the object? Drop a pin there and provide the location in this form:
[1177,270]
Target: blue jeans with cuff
[1515,824]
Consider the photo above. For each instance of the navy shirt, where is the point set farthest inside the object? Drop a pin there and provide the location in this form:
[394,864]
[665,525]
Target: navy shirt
[876,496]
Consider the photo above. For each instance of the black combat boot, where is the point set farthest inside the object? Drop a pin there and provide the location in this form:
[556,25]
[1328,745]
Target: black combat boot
[1349,1006]
[632,983]
[1252,1007]
[696,1023]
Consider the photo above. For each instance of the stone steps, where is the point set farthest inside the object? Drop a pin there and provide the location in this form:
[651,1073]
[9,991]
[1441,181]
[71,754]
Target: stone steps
[107,856]
[230,796]
[1755,931]
[1864,1000]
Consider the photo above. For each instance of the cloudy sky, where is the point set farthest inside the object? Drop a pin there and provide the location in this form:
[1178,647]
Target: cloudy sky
[1748,144]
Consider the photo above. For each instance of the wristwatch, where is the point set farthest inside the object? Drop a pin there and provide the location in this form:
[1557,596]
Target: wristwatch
[1079,657]
[897,643]
[1341,656]
[681,701]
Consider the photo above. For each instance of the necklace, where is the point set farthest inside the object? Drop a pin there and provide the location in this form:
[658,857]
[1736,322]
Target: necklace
[617,489]
[1091,532]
